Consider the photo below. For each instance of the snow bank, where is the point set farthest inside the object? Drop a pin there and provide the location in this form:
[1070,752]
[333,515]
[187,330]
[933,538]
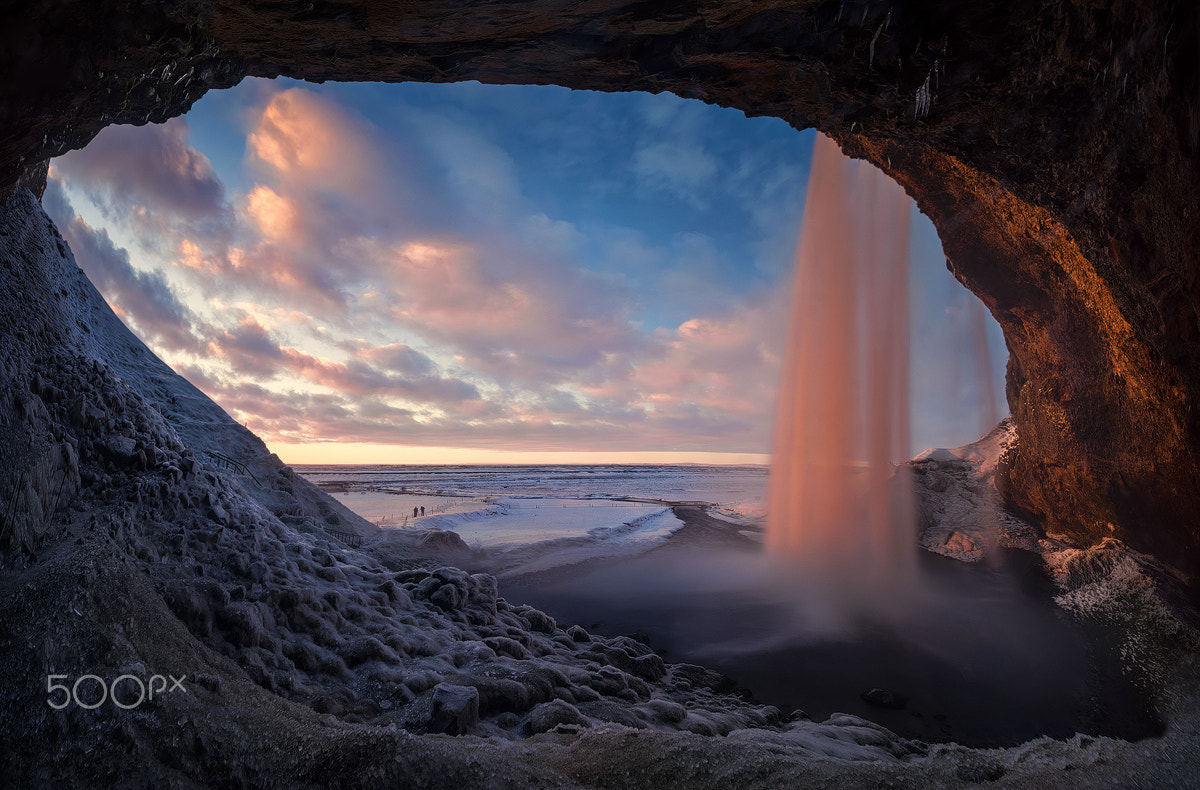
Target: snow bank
[961,513]
[508,521]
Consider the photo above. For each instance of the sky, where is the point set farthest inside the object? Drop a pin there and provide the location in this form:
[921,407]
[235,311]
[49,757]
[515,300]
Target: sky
[369,273]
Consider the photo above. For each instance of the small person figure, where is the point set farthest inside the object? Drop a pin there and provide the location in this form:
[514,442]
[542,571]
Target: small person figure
[422,510]
[414,512]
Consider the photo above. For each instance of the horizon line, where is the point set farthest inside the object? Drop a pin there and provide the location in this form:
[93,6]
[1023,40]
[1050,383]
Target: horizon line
[364,454]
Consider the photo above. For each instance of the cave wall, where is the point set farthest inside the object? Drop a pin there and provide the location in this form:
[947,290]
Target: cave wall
[1053,143]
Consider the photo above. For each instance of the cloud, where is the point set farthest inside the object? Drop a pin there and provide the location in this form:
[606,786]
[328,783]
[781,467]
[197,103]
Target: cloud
[509,311]
[150,165]
[304,136]
[482,176]
[359,378]
[503,292]
[144,299]
[682,169]
[399,358]
[248,349]
[339,175]
[716,376]
[396,285]
[275,215]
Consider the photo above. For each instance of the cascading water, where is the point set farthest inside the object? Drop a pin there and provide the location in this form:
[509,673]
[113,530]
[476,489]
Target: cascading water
[837,507]
[989,413]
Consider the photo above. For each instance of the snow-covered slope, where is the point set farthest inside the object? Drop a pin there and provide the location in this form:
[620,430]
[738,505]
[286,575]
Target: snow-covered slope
[62,348]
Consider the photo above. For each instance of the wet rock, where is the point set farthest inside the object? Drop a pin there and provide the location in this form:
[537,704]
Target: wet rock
[455,709]
[690,676]
[427,586]
[455,576]
[608,681]
[448,597]
[194,602]
[242,624]
[665,711]
[120,451]
[414,576]
[257,571]
[367,648]
[483,591]
[218,514]
[608,710]
[506,647]
[649,667]
[549,715]
[537,619]
[443,541]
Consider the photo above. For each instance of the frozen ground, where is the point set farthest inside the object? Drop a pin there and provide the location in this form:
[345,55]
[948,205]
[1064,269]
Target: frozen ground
[386,509]
[497,521]
[531,519]
[146,533]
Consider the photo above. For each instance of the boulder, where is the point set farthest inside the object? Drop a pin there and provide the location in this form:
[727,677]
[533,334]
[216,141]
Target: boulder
[454,709]
[549,715]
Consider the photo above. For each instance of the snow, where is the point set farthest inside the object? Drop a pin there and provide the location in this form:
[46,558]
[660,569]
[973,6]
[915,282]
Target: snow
[387,509]
[939,454]
[510,520]
[961,512]
[607,510]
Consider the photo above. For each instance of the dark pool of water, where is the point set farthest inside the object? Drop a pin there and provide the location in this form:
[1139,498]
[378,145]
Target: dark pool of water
[982,654]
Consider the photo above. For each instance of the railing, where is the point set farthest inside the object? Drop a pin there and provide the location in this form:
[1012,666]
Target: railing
[231,464]
[349,538]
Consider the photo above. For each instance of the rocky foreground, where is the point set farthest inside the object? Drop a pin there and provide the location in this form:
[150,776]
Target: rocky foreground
[146,535]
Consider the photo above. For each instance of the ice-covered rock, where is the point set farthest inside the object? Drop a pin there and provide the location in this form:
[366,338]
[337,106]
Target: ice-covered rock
[961,512]
[455,709]
[549,715]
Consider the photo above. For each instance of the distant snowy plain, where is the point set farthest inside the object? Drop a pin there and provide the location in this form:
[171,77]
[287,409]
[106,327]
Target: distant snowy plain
[509,506]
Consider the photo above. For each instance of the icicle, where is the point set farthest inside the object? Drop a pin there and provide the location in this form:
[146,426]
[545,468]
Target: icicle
[924,99]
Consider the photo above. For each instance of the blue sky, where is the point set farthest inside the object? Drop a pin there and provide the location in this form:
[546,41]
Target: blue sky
[423,273]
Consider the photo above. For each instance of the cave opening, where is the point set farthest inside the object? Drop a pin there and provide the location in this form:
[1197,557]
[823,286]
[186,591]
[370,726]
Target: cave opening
[777,636]
[263,233]
[1053,145]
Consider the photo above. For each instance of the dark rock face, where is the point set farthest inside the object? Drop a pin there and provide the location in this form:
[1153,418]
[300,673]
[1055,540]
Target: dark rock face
[1053,144]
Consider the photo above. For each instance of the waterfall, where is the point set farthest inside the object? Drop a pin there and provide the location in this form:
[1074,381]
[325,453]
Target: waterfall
[837,506]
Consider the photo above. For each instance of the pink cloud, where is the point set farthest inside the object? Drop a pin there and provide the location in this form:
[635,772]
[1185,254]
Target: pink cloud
[302,136]
[338,266]
[275,215]
[150,165]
